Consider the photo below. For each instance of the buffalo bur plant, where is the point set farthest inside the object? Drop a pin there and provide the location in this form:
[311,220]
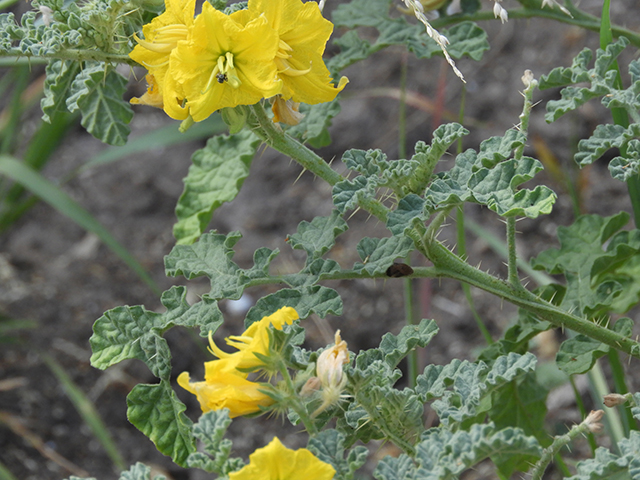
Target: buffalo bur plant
[260,65]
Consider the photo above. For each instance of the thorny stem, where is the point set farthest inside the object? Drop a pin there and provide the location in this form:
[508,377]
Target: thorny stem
[512,262]
[294,401]
[69,54]
[446,263]
[587,426]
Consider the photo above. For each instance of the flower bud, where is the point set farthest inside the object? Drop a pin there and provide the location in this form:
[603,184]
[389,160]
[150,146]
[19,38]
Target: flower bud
[593,419]
[614,399]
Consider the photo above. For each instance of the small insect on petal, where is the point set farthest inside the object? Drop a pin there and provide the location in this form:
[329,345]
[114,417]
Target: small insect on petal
[398,270]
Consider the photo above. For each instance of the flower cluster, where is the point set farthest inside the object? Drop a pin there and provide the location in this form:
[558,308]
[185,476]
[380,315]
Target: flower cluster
[226,383]
[200,64]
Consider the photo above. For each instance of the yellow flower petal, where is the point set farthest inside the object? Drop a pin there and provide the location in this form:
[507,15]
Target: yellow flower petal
[303,33]
[225,63]
[254,339]
[225,387]
[277,462]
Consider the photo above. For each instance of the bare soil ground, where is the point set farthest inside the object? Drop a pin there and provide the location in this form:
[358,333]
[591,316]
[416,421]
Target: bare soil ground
[55,274]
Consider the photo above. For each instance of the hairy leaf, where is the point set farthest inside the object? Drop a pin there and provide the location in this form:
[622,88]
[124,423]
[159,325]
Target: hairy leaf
[318,236]
[97,92]
[156,411]
[307,300]
[216,175]
[328,446]
[133,332]
[378,254]
[609,465]
[593,271]
[210,430]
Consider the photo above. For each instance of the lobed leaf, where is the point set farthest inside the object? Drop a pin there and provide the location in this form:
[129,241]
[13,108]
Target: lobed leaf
[601,77]
[609,465]
[306,301]
[156,411]
[396,347]
[604,138]
[378,254]
[594,272]
[318,236]
[97,92]
[210,431]
[328,446]
[442,454]
[578,354]
[133,332]
[57,85]
[215,176]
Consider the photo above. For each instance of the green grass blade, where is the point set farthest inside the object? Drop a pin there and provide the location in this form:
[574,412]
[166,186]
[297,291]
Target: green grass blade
[54,196]
[87,411]
[5,474]
[162,137]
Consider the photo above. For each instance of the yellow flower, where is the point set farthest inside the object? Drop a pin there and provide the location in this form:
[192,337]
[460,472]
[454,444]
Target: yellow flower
[224,63]
[277,462]
[161,37]
[225,387]
[303,34]
[255,339]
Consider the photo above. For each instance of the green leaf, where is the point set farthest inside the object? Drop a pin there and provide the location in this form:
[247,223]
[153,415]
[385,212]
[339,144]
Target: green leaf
[210,256]
[139,471]
[442,454]
[609,465]
[328,446]
[601,78]
[348,193]
[216,175]
[497,187]
[133,332]
[582,243]
[59,78]
[604,138]
[318,236]
[396,468]
[411,208]
[156,411]
[307,300]
[396,347]
[97,92]
[467,39]
[521,403]
[210,431]
[578,354]
[472,385]
[378,254]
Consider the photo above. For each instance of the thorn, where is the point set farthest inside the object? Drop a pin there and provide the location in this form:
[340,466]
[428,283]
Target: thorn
[299,176]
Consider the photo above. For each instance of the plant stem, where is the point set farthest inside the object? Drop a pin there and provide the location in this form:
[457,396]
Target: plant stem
[78,55]
[446,263]
[560,441]
[580,19]
[294,402]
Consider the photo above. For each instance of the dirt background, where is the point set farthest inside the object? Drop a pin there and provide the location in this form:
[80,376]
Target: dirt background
[55,274]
